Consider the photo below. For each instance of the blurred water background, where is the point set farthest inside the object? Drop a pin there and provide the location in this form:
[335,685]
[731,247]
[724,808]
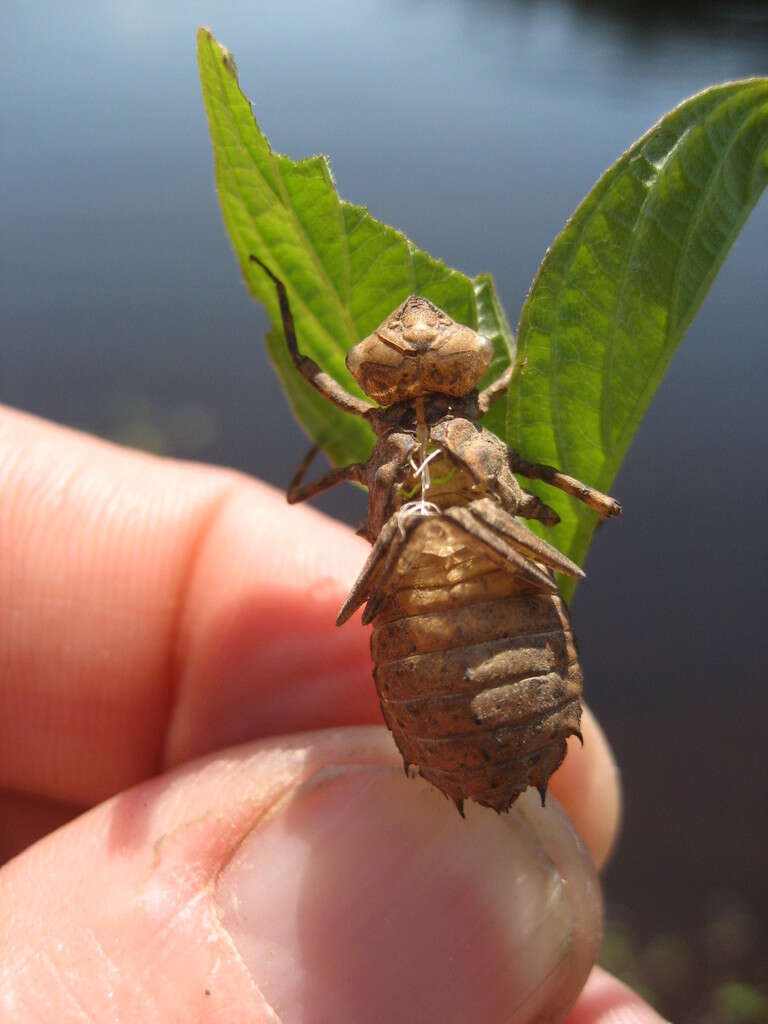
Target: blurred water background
[475,126]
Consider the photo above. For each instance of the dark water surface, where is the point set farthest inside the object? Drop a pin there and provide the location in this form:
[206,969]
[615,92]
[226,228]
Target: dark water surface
[476,128]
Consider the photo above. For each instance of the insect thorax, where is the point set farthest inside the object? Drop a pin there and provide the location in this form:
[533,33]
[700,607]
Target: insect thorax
[403,469]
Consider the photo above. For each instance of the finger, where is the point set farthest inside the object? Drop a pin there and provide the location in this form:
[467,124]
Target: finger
[299,880]
[606,1001]
[588,786]
[151,604]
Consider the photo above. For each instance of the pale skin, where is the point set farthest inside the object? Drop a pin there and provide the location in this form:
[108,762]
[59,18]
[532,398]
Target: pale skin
[155,613]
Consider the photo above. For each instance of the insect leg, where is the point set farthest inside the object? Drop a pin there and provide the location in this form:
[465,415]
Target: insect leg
[602,504]
[308,368]
[488,396]
[487,460]
[301,492]
[304,465]
[532,507]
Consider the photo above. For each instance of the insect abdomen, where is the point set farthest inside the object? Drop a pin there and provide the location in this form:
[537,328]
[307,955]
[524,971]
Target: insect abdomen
[477,674]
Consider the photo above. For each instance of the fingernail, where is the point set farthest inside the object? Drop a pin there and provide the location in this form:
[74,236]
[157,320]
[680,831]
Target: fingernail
[365,897]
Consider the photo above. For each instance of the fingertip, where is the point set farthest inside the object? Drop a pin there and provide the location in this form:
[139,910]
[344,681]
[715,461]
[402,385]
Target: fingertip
[588,786]
[353,894]
[606,1000]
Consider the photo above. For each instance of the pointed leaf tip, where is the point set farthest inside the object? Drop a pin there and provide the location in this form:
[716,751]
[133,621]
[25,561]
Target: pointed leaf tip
[343,270]
[621,284]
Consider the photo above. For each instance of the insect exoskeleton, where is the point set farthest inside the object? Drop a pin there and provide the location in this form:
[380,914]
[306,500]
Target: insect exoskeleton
[418,351]
[475,662]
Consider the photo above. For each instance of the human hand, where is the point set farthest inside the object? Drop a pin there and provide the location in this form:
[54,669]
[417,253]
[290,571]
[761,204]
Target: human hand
[155,613]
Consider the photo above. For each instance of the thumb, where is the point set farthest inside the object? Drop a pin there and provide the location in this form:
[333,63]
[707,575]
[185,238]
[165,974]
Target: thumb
[300,880]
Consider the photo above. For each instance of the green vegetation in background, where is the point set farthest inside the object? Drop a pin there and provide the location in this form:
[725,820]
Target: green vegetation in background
[691,979]
[609,306]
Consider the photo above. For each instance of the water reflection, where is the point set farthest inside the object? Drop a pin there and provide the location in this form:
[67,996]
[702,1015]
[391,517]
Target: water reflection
[738,20]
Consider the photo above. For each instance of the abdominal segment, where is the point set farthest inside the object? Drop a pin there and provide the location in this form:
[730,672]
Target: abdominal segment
[475,664]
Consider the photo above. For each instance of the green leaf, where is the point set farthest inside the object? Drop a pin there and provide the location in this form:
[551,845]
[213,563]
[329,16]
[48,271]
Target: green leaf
[344,271]
[621,284]
[611,302]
